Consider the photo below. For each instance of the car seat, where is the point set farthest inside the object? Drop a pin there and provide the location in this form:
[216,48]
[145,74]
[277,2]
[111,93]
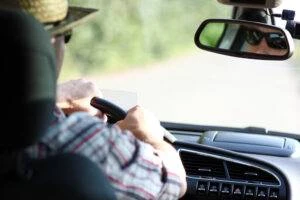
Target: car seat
[28,91]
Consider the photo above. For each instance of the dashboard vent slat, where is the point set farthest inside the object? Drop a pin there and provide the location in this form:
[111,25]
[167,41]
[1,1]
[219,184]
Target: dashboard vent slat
[203,166]
[249,173]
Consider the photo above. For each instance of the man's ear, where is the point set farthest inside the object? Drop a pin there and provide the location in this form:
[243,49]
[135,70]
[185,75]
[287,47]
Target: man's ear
[52,40]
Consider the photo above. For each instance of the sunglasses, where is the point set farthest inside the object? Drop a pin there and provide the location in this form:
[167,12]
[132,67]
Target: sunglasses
[67,36]
[273,39]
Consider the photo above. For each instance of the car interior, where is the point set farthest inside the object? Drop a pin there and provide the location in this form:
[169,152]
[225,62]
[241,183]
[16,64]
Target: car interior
[221,163]
[228,163]
[231,163]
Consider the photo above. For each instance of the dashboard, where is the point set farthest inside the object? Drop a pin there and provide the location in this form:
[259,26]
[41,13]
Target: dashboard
[215,172]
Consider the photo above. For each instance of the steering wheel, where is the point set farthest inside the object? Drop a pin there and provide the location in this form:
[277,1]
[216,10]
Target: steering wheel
[115,113]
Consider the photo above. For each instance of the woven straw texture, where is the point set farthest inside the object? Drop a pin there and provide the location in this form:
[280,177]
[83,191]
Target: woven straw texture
[57,15]
[46,11]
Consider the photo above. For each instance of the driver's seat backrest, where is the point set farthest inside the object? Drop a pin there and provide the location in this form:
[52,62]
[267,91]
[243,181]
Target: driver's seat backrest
[60,177]
[28,91]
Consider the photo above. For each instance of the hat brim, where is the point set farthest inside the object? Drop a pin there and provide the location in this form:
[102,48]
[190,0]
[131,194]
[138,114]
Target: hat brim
[75,17]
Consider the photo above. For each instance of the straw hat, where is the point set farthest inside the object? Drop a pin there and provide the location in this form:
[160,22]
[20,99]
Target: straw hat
[57,15]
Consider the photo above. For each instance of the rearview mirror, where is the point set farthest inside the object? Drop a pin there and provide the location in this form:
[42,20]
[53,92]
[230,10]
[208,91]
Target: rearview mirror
[244,39]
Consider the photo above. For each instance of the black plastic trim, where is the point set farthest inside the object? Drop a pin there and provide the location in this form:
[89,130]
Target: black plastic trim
[202,128]
[238,157]
[243,54]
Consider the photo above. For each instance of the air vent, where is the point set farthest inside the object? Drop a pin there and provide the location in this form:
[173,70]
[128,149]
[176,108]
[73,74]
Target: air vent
[203,166]
[249,173]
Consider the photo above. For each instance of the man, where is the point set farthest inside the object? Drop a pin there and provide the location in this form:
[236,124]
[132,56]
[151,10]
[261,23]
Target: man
[266,41]
[72,95]
[133,154]
[258,39]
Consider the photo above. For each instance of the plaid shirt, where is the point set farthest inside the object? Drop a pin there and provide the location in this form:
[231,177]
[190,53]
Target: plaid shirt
[132,167]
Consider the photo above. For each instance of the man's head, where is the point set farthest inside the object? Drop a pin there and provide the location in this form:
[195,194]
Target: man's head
[253,14]
[259,39]
[57,17]
[263,40]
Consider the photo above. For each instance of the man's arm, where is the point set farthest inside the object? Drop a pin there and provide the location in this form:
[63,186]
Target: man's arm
[172,162]
[136,169]
[146,128]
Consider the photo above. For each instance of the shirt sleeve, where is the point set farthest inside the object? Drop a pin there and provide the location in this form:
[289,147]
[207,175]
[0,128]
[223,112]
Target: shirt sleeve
[132,166]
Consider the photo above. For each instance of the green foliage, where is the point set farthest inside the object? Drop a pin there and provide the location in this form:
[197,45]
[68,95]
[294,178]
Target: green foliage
[135,32]
[211,34]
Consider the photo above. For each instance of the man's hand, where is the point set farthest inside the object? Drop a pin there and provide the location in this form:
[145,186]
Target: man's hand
[146,127]
[75,95]
[143,124]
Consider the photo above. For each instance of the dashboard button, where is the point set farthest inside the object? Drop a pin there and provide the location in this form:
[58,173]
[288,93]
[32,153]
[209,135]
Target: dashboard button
[238,192]
[213,190]
[226,189]
[262,193]
[213,187]
[249,192]
[202,187]
[274,194]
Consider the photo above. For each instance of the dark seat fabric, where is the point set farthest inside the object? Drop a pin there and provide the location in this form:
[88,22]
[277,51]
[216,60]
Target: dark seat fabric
[65,176]
[28,79]
[28,91]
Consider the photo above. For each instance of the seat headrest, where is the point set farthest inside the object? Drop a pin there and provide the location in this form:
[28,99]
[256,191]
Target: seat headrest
[253,14]
[28,79]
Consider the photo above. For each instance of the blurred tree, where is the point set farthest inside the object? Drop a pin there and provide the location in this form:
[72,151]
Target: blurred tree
[135,32]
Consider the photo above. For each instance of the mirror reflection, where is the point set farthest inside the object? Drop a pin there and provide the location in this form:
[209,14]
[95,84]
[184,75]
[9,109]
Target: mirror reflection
[244,38]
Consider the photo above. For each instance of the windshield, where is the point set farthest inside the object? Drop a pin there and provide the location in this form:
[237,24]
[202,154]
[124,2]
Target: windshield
[146,47]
